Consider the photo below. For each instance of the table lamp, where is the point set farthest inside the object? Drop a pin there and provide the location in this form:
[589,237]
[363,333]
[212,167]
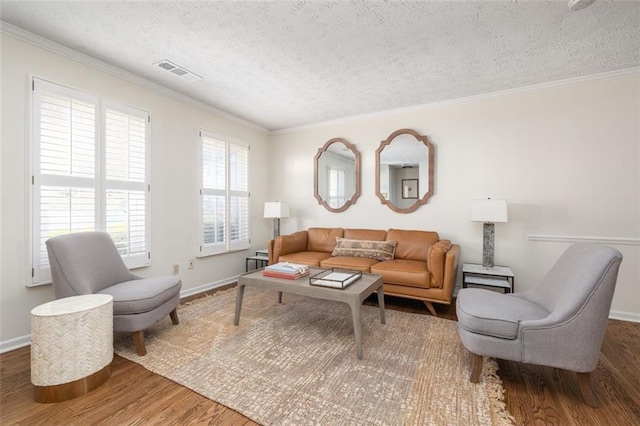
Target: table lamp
[276,210]
[488,211]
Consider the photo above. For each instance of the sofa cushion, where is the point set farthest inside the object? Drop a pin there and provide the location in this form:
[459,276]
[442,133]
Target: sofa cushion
[365,234]
[412,245]
[494,314]
[348,262]
[323,239]
[291,243]
[412,273]
[378,250]
[142,295]
[311,258]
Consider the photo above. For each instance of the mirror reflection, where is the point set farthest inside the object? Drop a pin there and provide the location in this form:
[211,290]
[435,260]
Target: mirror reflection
[404,169]
[337,175]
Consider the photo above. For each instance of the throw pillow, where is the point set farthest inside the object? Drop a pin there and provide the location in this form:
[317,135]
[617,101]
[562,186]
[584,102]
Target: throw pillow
[378,250]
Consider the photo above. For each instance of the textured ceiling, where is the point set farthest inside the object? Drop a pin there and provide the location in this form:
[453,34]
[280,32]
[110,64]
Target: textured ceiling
[285,64]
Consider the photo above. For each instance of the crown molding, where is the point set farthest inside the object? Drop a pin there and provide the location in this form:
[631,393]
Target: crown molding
[74,55]
[469,99]
[26,36]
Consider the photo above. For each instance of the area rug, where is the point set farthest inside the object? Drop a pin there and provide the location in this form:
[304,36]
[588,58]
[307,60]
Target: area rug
[295,363]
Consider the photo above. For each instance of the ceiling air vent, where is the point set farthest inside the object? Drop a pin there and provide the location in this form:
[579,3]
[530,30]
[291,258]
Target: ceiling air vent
[177,70]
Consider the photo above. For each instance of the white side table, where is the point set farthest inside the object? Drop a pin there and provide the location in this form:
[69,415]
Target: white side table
[71,346]
[495,276]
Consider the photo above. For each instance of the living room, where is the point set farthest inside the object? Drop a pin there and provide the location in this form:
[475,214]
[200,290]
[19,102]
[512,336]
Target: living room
[565,154]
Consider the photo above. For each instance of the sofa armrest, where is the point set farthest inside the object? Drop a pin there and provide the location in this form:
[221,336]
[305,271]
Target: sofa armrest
[270,245]
[285,244]
[436,262]
[451,270]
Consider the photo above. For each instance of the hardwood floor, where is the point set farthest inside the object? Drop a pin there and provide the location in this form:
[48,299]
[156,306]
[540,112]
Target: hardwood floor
[133,395]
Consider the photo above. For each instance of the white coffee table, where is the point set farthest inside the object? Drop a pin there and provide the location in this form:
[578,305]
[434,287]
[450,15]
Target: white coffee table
[353,295]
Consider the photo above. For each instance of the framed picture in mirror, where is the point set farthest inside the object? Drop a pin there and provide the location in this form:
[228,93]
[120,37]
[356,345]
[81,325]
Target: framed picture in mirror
[410,188]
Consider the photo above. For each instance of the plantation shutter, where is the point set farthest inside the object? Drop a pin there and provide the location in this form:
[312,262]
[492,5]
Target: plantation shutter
[214,209]
[89,172]
[63,164]
[238,195]
[224,195]
[126,186]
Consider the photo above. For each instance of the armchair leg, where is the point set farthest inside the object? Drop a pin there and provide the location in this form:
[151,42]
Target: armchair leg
[138,341]
[476,368]
[584,383]
[174,316]
[431,308]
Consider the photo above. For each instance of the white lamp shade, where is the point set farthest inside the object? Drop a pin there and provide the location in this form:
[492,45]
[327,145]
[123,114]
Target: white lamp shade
[276,209]
[489,210]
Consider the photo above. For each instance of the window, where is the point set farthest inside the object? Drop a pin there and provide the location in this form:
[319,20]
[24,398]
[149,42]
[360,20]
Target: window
[89,172]
[223,223]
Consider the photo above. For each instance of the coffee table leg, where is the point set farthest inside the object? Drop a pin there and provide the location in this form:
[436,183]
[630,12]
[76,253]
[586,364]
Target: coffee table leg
[381,304]
[357,327]
[279,297]
[239,295]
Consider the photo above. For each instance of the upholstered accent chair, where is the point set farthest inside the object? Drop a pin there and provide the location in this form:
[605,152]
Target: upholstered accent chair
[559,323]
[89,262]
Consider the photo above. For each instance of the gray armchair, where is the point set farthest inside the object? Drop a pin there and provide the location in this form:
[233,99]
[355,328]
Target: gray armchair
[88,262]
[559,323]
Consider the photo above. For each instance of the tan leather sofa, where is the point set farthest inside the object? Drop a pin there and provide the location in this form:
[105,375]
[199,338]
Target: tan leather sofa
[423,266]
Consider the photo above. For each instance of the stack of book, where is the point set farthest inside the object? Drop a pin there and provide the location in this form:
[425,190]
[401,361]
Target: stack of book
[290,271]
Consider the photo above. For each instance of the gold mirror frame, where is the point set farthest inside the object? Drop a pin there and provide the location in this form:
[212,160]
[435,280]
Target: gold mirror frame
[430,162]
[356,192]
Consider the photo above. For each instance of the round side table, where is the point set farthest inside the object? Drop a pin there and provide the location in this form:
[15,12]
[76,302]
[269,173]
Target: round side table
[71,346]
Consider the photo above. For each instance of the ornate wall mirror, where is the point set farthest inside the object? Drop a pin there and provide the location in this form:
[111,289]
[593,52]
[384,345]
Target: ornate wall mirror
[336,179]
[404,171]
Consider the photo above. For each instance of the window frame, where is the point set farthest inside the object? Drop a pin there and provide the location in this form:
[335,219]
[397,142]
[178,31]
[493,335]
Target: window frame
[226,245]
[39,273]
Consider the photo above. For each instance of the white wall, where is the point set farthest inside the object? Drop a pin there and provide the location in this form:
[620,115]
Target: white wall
[174,127]
[566,158]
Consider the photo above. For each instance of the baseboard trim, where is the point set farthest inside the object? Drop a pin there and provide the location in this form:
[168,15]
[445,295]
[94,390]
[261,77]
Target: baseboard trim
[15,343]
[22,341]
[624,316]
[208,286]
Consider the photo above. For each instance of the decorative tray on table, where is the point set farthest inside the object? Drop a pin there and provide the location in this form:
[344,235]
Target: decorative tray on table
[335,278]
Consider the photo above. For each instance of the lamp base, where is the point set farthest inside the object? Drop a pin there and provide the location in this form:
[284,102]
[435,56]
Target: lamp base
[488,244]
[276,227]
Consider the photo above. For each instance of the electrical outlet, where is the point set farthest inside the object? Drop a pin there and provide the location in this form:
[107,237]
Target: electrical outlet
[190,263]
[176,269]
